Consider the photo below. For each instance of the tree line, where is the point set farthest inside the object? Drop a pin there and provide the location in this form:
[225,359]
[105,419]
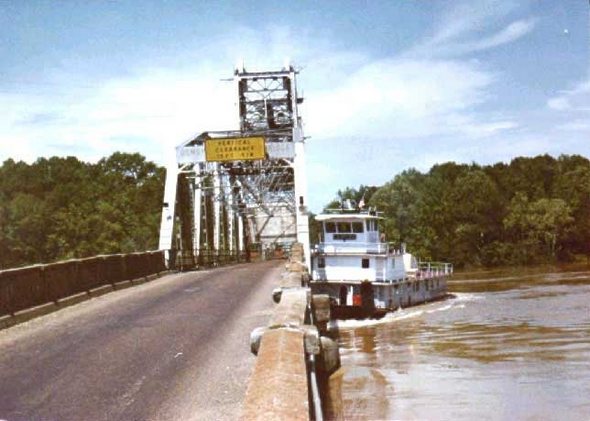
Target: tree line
[530,211]
[62,208]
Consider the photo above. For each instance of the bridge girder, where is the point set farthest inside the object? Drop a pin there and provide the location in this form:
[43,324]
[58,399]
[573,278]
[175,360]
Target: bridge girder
[261,200]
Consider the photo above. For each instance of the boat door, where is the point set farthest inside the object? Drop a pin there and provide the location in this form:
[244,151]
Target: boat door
[380,269]
[343,295]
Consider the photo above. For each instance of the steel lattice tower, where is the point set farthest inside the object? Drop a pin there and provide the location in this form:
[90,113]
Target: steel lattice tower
[242,190]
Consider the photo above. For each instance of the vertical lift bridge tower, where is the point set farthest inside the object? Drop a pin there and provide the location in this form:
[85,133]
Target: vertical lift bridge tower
[238,190]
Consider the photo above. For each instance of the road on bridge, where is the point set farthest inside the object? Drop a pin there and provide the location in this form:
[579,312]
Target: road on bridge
[176,348]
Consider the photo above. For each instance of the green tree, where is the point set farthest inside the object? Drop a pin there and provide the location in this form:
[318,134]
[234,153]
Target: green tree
[530,210]
[537,226]
[356,196]
[59,208]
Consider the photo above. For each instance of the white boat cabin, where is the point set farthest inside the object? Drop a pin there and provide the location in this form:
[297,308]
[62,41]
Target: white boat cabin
[353,249]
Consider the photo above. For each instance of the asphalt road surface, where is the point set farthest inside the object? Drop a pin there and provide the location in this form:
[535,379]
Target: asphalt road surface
[176,348]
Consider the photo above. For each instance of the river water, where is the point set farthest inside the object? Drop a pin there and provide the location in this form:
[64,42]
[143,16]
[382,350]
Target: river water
[510,345]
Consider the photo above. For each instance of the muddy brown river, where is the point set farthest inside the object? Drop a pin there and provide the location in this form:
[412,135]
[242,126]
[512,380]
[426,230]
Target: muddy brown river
[510,345]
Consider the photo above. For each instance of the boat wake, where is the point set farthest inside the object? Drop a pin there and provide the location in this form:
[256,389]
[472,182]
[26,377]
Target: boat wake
[467,296]
[456,302]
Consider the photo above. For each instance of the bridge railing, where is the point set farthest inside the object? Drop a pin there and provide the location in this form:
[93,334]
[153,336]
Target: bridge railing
[27,287]
[205,258]
[190,260]
[33,286]
[293,355]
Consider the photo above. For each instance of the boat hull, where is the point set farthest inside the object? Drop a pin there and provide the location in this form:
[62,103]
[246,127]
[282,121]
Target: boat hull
[354,299]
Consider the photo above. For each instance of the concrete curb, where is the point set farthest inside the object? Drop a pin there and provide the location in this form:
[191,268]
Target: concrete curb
[33,312]
[6,321]
[97,292]
[73,299]
[122,285]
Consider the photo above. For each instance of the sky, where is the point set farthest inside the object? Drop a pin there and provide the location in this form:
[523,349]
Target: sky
[387,85]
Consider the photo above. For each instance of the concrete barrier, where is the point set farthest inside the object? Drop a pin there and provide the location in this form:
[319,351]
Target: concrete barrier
[284,382]
[114,268]
[61,279]
[278,386]
[21,288]
[292,309]
[90,273]
[134,266]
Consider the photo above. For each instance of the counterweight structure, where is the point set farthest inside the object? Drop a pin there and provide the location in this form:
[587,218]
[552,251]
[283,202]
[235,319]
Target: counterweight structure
[243,190]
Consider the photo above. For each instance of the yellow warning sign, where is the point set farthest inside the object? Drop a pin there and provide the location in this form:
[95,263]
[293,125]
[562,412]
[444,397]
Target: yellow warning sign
[234,149]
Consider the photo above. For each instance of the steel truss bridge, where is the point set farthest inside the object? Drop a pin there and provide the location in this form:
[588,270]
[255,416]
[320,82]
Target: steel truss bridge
[231,193]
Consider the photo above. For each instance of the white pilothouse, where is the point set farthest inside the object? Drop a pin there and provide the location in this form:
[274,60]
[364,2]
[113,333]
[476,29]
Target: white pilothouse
[366,276]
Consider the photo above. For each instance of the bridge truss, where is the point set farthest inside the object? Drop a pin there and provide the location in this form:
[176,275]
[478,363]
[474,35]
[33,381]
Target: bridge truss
[236,191]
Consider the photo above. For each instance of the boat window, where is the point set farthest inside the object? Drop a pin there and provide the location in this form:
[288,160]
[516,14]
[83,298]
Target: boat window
[321,263]
[365,263]
[343,226]
[330,227]
[344,237]
[357,227]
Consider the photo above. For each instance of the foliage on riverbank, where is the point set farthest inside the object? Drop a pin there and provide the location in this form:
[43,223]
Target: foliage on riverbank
[60,208]
[532,210]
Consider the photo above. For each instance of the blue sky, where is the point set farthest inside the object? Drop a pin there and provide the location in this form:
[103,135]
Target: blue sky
[388,85]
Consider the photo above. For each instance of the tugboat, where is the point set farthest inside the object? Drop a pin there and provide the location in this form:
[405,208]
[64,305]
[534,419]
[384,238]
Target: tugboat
[364,276]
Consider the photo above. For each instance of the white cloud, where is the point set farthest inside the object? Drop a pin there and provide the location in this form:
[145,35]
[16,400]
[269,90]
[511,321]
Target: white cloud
[479,130]
[466,17]
[348,93]
[358,109]
[396,99]
[576,99]
[558,103]
[150,114]
[511,33]
[154,107]
[368,117]
[469,26]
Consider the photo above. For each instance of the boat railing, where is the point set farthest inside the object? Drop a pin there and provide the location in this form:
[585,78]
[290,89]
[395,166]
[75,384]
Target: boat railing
[352,211]
[354,247]
[434,269]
